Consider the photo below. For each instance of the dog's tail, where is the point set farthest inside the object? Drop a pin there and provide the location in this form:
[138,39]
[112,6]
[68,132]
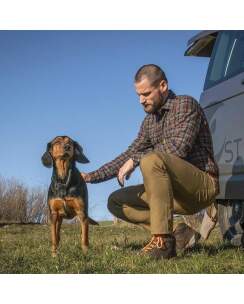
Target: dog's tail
[92,222]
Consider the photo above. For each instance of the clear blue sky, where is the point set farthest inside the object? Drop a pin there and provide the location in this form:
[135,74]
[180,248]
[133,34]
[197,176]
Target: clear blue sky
[80,83]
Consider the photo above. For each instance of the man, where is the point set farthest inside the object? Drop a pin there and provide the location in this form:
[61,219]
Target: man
[175,154]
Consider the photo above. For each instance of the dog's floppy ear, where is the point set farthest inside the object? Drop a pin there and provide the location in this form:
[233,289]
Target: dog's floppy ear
[47,159]
[79,155]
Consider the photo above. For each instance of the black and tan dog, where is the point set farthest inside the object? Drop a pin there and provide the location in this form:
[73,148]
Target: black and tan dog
[67,194]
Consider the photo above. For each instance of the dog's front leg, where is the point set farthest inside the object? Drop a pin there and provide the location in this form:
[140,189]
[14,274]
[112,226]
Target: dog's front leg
[58,226]
[84,232]
[54,218]
[84,236]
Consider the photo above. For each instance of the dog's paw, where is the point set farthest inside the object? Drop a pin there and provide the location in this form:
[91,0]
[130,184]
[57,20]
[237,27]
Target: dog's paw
[84,249]
[54,254]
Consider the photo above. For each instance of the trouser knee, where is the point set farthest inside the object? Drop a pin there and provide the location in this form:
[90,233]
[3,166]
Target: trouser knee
[151,161]
[113,202]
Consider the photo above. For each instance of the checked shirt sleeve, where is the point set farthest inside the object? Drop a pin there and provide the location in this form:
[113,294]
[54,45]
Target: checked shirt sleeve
[140,146]
[183,128]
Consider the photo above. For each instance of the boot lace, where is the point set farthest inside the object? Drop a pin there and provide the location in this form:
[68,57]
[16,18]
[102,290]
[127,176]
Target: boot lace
[156,242]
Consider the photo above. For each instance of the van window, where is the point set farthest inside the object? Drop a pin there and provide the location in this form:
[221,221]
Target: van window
[227,59]
[236,61]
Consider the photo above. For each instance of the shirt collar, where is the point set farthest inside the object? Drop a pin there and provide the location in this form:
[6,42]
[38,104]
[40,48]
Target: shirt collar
[167,105]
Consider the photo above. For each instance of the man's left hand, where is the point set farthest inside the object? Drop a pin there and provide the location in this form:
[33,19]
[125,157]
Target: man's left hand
[125,171]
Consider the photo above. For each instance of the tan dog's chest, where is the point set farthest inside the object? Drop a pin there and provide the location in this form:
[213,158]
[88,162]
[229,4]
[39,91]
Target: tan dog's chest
[67,207]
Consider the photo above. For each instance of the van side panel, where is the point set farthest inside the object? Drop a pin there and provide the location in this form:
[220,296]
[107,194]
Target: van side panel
[226,121]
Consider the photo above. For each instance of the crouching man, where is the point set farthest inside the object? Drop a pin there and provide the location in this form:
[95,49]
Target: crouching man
[175,154]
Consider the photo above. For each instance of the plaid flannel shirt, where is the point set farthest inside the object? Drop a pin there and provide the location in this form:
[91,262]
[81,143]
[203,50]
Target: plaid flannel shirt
[179,127]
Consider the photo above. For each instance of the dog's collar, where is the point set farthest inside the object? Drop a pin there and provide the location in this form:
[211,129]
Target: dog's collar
[60,188]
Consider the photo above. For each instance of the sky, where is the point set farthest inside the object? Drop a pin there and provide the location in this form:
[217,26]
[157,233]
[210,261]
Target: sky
[80,84]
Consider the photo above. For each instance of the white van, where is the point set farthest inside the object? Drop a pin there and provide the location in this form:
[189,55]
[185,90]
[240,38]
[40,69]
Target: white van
[223,102]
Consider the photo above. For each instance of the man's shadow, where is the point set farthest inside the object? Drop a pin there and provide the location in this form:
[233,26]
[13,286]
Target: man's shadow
[209,250]
[234,187]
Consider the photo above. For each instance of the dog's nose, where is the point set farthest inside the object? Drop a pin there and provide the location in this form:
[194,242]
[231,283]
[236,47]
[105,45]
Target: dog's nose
[67,148]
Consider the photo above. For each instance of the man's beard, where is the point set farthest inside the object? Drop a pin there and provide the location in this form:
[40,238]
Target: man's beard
[153,108]
[149,109]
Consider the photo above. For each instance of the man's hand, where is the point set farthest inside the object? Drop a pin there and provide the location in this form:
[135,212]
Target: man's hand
[125,171]
[86,177]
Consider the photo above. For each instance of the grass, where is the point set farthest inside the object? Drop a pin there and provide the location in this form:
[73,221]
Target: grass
[113,249]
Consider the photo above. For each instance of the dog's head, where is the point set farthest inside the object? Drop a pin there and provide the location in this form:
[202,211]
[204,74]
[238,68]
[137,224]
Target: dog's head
[63,147]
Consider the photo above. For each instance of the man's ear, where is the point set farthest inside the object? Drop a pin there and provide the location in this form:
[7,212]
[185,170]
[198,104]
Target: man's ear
[47,159]
[163,86]
[79,155]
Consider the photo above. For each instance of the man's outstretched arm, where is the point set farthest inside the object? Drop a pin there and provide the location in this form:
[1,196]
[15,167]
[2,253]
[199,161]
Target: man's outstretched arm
[125,163]
[124,172]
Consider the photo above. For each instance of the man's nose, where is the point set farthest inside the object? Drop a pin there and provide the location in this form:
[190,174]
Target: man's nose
[142,99]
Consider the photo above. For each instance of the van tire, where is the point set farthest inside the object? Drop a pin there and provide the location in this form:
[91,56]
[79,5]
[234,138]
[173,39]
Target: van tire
[231,218]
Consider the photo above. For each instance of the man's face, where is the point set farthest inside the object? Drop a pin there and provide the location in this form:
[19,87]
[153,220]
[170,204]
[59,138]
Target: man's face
[151,96]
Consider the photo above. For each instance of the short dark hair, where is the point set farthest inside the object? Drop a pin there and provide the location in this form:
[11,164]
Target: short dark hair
[152,72]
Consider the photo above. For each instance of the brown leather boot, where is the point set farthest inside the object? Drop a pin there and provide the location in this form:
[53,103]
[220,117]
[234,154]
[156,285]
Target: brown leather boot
[186,237]
[160,247]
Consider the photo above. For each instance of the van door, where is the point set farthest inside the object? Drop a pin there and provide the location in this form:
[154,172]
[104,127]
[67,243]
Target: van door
[223,103]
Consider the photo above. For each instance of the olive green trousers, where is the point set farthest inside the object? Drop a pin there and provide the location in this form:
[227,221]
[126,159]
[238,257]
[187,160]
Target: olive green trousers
[171,185]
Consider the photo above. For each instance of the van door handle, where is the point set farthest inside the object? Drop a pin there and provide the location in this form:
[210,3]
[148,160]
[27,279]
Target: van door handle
[242,82]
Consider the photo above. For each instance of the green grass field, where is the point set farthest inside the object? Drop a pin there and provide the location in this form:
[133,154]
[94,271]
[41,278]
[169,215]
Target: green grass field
[113,249]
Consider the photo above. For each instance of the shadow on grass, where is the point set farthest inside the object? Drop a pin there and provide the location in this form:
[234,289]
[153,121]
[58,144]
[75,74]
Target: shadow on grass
[136,245]
[133,246]
[209,250]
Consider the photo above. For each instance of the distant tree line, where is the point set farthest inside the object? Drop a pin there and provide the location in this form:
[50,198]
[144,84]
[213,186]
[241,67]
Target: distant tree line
[21,204]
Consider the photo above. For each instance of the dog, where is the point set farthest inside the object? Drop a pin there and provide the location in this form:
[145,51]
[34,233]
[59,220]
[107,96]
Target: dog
[67,194]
